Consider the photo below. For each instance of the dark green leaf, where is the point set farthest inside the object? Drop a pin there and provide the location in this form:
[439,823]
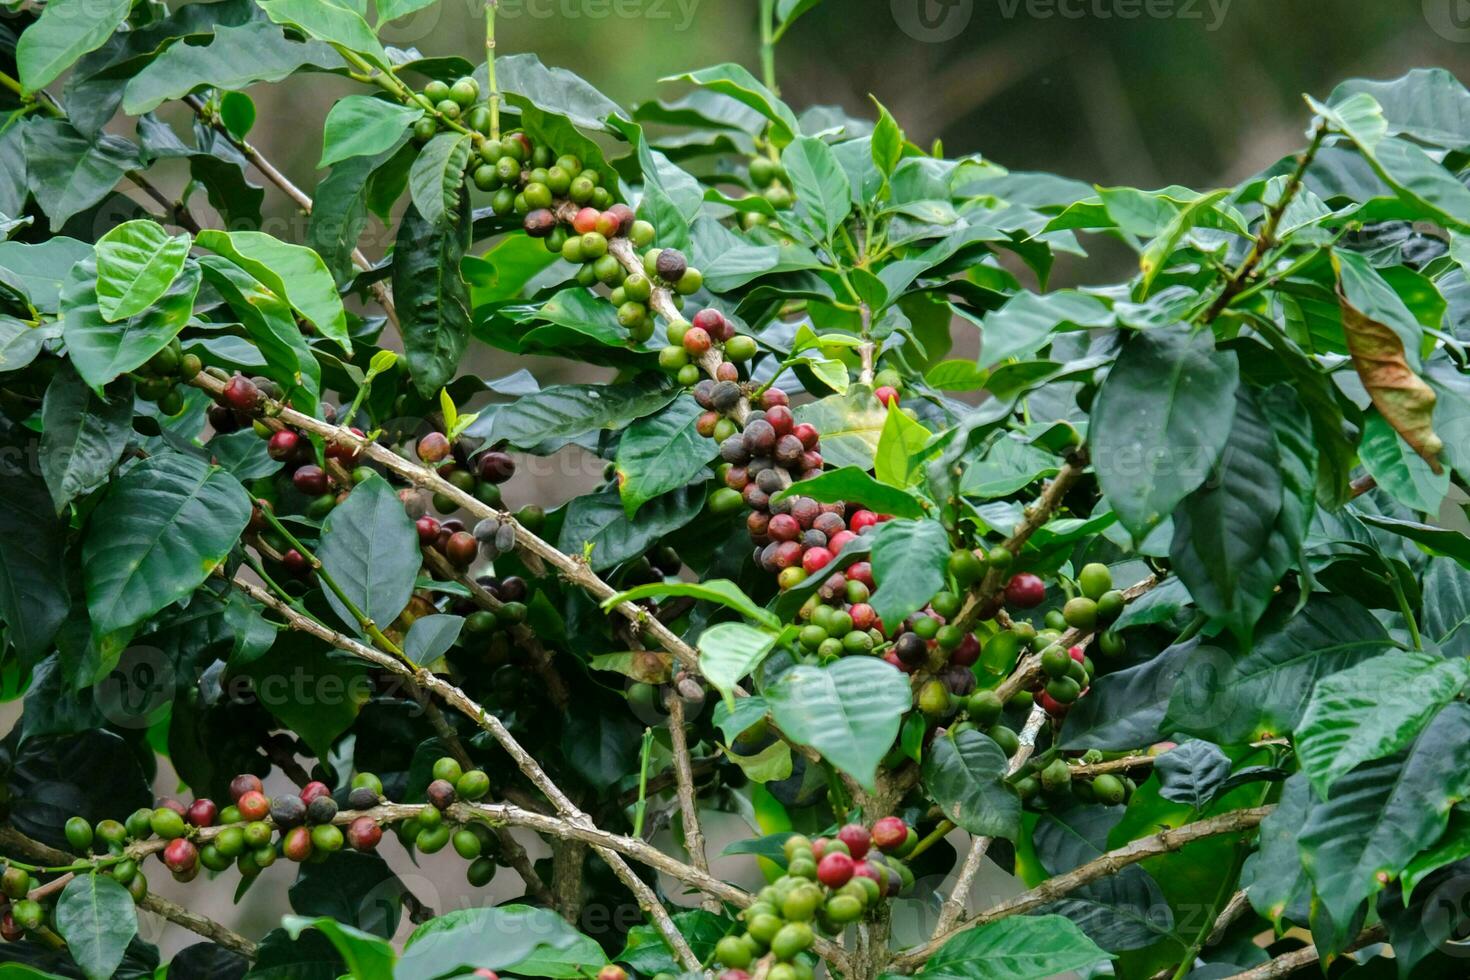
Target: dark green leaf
[515,939]
[431,637]
[100,350]
[361,125]
[849,711]
[552,417]
[84,435]
[66,30]
[1023,947]
[433,300]
[908,565]
[68,172]
[597,525]
[157,535]
[436,179]
[1162,418]
[370,548]
[661,452]
[292,272]
[854,486]
[966,776]
[820,185]
[34,595]
[96,917]
[367,957]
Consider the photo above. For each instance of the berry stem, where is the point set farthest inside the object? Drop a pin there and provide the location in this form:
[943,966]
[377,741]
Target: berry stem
[494,97]
[768,44]
[640,809]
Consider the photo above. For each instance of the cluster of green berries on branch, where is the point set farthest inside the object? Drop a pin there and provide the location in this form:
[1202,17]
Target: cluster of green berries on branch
[161,377]
[769,179]
[830,883]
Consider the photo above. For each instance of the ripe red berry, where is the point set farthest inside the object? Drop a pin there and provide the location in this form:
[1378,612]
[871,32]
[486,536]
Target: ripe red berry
[783,527]
[862,571]
[585,220]
[496,466]
[727,372]
[253,804]
[363,834]
[485,973]
[758,525]
[781,420]
[1078,654]
[807,433]
[296,844]
[891,657]
[967,654]
[175,806]
[788,554]
[862,519]
[241,394]
[1025,591]
[840,540]
[886,395]
[857,839]
[461,548]
[296,563]
[862,615]
[181,856]
[705,424]
[1051,705]
[202,813]
[607,224]
[428,529]
[696,341]
[242,784]
[711,321]
[890,833]
[282,444]
[314,789]
[433,447]
[612,972]
[815,559]
[772,397]
[835,869]
[311,480]
[625,216]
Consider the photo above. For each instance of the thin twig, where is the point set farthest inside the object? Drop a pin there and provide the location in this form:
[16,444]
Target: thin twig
[1288,963]
[688,804]
[1164,842]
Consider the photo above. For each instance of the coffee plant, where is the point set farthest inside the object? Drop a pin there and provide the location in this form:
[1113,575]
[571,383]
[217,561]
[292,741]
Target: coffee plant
[1157,605]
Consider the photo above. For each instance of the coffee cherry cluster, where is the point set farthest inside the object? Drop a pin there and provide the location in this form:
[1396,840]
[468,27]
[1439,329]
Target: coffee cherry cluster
[255,830]
[1055,782]
[691,341]
[770,180]
[829,883]
[18,914]
[159,378]
[887,387]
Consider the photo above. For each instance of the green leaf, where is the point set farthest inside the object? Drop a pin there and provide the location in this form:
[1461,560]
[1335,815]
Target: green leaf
[433,300]
[740,85]
[360,125]
[849,711]
[38,271]
[293,272]
[34,594]
[1372,710]
[20,343]
[1027,321]
[854,486]
[887,141]
[332,23]
[100,350]
[1157,254]
[1264,693]
[83,435]
[965,775]
[96,917]
[1413,174]
[235,57]
[267,319]
[729,651]
[1435,540]
[908,565]
[851,425]
[1453,846]
[436,179]
[822,197]
[1223,529]
[1383,813]
[552,417]
[66,30]
[720,590]
[527,941]
[661,452]
[367,956]
[1427,104]
[597,522]
[1023,947]
[157,535]
[648,953]
[136,263]
[1398,469]
[430,637]
[1162,418]
[898,460]
[339,211]
[68,172]
[309,690]
[370,548]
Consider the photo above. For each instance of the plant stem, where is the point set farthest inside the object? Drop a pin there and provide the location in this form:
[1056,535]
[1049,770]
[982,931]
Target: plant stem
[494,94]
[640,809]
[1403,601]
[768,44]
[940,831]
